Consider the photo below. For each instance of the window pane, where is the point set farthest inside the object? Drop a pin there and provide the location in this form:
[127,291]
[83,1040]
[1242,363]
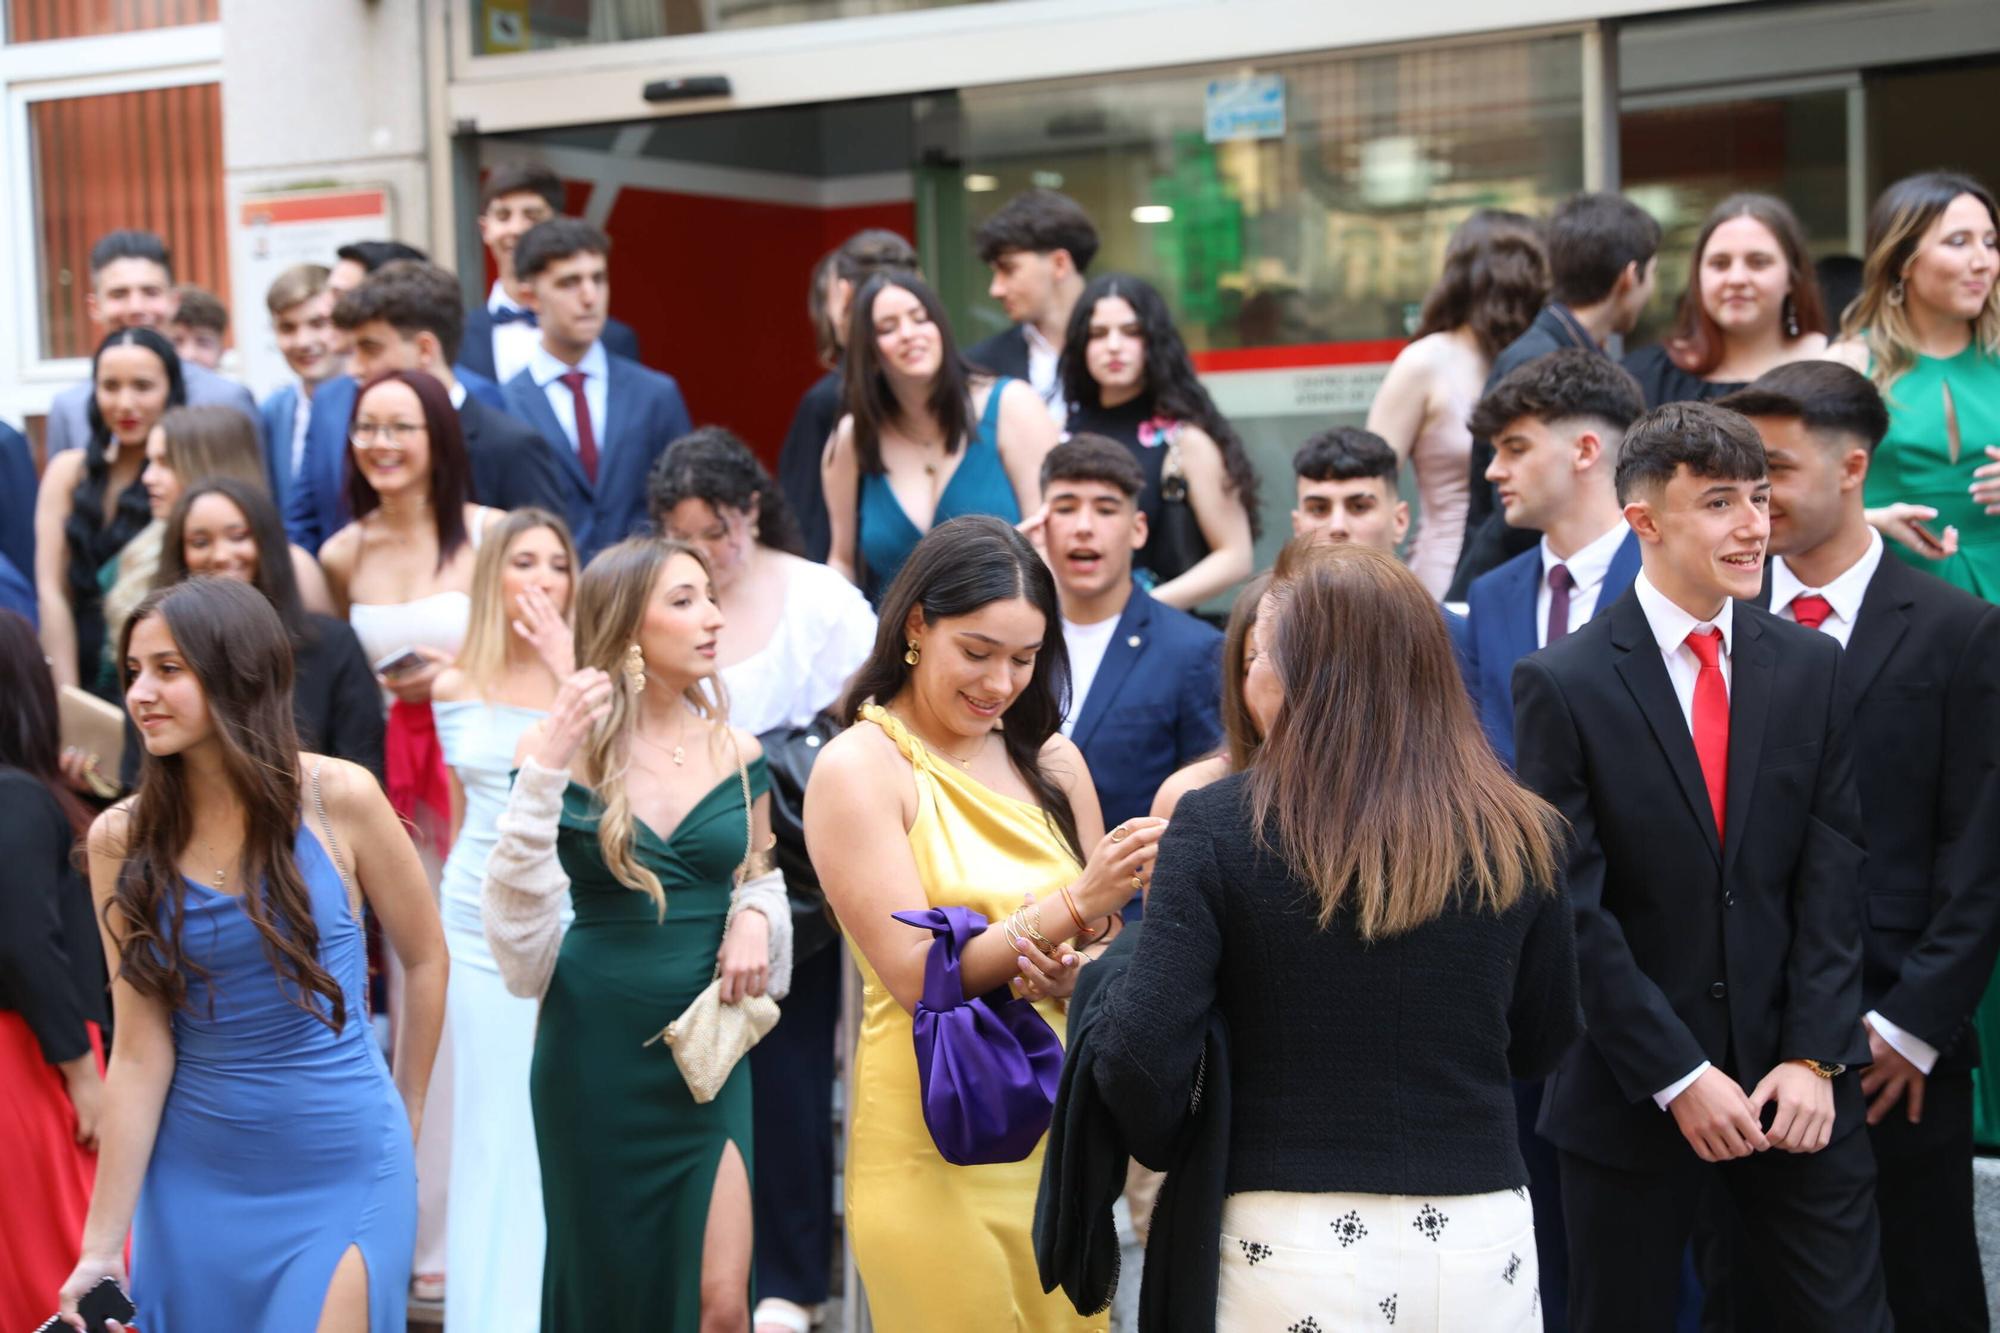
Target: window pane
[501,26]
[46,20]
[150,160]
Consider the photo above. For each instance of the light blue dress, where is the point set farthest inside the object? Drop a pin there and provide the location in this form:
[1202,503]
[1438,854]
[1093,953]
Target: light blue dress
[494,1234]
[979,485]
[281,1142]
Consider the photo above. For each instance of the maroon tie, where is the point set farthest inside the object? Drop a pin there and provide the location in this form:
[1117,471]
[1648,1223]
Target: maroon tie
[586,437]
[1811,610]
[1711,721]
[1560,582]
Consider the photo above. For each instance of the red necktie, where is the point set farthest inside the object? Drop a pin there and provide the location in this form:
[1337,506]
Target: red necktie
[586,438]
[1811,610]
[1560,582]
[1711,721]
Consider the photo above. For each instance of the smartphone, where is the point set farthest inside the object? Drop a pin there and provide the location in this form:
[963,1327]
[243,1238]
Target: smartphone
[400,662]
[106,1300]
[1935,542]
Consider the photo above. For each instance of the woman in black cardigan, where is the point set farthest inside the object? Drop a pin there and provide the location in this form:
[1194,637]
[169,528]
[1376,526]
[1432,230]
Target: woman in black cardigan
[222,528]
[1371,910]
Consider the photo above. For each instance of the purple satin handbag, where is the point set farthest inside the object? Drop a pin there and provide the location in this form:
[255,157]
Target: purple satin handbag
[988,1066]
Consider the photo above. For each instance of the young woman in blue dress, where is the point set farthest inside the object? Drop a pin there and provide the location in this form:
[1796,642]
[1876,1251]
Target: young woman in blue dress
[253,1144]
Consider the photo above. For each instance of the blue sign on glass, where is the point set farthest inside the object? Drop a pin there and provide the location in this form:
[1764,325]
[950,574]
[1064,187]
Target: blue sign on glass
[1246,108]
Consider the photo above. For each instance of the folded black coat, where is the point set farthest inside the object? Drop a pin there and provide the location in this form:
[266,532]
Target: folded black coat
[1083,1173]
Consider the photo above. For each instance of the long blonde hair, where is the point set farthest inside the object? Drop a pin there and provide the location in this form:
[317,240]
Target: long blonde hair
[610,604]
[1382,790]
[484,655]
[1896,226]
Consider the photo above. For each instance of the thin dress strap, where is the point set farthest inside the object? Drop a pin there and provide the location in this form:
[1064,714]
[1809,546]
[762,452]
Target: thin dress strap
[989,419]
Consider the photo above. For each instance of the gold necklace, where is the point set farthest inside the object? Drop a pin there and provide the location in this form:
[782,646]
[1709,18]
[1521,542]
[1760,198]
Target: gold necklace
[220,877]
[678,754]
[911,727]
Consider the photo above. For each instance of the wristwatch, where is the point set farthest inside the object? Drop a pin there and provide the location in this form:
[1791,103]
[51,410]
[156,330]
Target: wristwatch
[1823,1068]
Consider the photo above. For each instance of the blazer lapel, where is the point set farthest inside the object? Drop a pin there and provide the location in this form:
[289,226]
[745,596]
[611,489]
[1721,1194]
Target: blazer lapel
[1883,621]
[535,401]
[1518,595]
[1645,675]
[618,391]
[1752,664]
[1618,576]
[1127,642]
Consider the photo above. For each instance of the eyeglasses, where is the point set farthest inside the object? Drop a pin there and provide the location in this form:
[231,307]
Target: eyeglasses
[395,432]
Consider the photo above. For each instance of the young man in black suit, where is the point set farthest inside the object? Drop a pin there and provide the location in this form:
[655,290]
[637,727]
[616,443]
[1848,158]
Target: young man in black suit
[1697,746]
[1039,246]
[1921,677]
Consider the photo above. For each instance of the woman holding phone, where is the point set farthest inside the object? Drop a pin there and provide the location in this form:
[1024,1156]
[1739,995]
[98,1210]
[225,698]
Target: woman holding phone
[254,1144]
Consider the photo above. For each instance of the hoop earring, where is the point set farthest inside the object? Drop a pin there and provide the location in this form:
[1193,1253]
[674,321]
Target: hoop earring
[912,656]
[1896,292]
[1791,318]
[634,669]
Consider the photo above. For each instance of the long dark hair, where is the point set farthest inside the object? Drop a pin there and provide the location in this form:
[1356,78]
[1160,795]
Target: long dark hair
[712,465]
[30,723]
[1382,789]
[241,657]
[1695,343]
[274,576]
[1494,282]
[959,567]
[451,466]
[870,400]
[1171,390]
[91,540]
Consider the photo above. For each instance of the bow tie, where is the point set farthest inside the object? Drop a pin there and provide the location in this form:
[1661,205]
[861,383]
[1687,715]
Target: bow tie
[515,315]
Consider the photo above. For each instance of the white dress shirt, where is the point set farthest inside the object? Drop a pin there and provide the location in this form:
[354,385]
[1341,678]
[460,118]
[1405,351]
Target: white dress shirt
[547,372]
[1844,596]
[302,408]
[514,344]
[1044,358]
[1588,569]
[1086,645]
[1671,626]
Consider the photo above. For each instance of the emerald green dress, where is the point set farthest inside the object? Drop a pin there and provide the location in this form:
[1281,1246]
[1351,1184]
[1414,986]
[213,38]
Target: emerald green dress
[1913,463]
[628,1158]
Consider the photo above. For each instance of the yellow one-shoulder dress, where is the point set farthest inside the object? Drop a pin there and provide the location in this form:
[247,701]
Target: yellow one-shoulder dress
[943,1247]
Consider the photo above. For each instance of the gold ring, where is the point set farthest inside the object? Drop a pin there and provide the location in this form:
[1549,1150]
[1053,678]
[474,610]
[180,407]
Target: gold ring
[1118,834]
[1138,885]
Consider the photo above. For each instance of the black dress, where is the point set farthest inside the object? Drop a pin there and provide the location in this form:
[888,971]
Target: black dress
[92,544]
[1135,426]
[799,458]
[336,702]
[1662,382]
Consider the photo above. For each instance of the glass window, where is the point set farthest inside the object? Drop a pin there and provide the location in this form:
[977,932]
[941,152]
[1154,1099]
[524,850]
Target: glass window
[1680,161]
[1293,215]
[49,20]
[501,26]
[150,160]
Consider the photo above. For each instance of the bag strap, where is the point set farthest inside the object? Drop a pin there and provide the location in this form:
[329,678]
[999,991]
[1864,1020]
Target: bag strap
[332,843]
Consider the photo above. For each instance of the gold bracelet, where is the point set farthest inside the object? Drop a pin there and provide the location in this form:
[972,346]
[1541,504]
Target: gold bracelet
[1031,926]
[1075,915]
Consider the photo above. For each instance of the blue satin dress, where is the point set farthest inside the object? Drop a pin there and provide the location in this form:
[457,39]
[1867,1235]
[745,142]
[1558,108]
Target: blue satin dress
[281,1142]
[978,485]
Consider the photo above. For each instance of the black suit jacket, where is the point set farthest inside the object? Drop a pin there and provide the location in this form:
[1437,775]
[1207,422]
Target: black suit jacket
[512,465]
[1489,542]
[1743,953]
[1005,353]
[476,348]
[799,458]
[1921,678]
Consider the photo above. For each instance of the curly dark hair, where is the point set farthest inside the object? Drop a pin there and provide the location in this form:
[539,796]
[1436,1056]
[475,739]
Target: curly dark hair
[712,465]
[1172,388]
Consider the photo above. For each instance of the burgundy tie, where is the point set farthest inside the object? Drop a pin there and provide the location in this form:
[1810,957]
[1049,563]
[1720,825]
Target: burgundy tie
[1560,582]
[1811,610]
[1711,721]
[586,437]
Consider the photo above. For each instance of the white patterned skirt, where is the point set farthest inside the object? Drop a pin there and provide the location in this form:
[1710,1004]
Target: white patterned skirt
[1329,1263]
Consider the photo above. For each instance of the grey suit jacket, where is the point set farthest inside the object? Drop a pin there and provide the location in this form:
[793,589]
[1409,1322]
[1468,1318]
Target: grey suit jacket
[69,414]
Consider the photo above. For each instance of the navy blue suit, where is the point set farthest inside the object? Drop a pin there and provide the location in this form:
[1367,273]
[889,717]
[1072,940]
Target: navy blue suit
[475,349]
[644,413]
[1502,630]
[511,467]
[17,500]
[1154,705]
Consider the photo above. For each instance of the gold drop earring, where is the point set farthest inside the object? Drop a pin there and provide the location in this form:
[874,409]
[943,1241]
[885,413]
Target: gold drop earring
[634,669]
[912,656]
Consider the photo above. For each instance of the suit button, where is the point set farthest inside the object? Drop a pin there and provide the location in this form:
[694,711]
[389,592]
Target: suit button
[1729,900]
[1717,991]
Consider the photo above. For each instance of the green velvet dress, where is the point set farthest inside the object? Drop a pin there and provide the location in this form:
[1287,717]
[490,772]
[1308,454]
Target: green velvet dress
[1913,463]
[628,1158]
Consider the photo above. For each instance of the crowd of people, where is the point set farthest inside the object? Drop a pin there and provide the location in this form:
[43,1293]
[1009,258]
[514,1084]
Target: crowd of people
[446,796]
